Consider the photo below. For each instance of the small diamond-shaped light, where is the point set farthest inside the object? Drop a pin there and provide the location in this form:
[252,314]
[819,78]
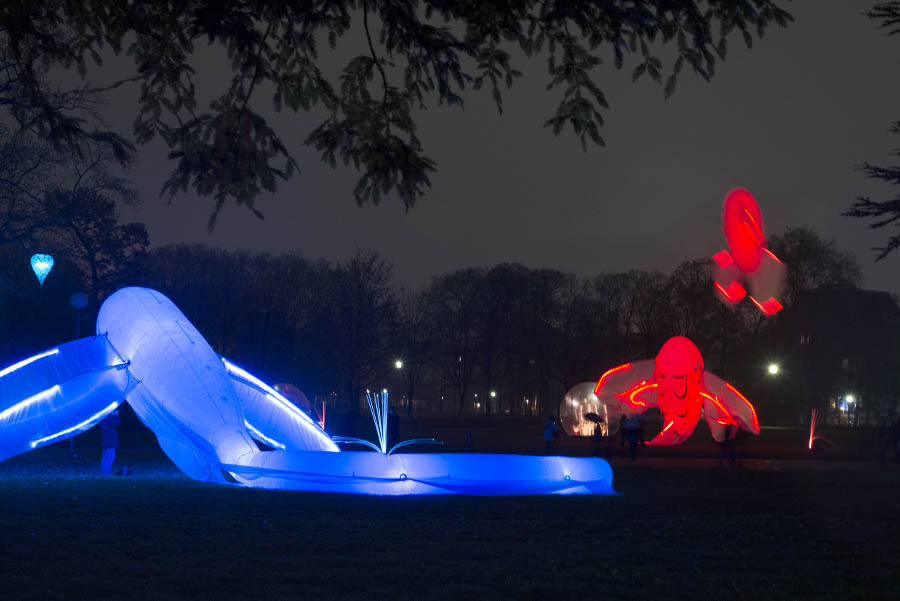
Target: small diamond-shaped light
[41,265]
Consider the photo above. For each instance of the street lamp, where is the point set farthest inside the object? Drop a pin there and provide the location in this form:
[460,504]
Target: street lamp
[774,388]
[852,408]
[79,301]
[398,365]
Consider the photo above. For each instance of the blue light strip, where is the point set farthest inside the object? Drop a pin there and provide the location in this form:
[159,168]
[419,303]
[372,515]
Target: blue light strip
[354,440]
[262,437]
[278,399]
[80,426]
[413,441]
[35,398]
[25,362]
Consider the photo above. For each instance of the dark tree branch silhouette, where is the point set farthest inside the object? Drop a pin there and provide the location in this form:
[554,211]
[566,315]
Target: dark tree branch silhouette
[882,212]
[425,52]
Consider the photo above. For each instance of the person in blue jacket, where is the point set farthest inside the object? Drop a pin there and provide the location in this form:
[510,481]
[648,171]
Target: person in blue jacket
[109,440]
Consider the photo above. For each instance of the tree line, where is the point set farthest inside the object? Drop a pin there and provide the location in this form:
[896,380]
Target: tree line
[505,340]
[502,340]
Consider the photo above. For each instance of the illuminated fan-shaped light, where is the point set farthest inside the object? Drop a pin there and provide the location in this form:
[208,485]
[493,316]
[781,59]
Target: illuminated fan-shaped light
[41,265]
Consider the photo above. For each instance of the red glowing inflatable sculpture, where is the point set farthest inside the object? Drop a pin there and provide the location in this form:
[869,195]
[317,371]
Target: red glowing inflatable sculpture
[747,262]
[676,383]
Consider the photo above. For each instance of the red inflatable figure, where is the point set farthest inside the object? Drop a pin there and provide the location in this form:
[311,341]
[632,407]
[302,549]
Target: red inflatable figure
[676,383]
[749,263]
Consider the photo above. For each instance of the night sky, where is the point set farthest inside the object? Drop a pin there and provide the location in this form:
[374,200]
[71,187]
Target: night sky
[788,119]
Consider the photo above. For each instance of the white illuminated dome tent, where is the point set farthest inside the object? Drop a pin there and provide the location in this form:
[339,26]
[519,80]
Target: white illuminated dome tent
[580,409]
[206,413]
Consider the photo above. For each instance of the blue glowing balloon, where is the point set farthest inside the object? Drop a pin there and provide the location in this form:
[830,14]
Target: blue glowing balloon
[41,264]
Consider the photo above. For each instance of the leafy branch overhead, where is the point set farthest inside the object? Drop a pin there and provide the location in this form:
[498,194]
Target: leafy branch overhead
[410,55]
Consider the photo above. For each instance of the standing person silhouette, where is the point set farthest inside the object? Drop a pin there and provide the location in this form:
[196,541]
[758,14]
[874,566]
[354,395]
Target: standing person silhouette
[598,438]
[109,440]
[550,430]
[632,434]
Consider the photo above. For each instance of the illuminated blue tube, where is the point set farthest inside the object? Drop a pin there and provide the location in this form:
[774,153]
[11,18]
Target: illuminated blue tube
[426,473]
[59,393]
[206,413]
[44,395]
[79,427]
[186,397]
[257,434]
[28,361]
[275,417]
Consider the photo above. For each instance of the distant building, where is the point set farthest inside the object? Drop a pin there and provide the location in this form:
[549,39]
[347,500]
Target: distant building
[843,345]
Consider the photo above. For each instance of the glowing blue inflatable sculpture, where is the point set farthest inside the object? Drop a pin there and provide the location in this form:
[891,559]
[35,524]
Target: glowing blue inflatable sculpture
[206,413]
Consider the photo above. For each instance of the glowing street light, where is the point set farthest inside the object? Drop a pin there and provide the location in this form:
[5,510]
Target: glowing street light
[398,364]
[774,369]
[849,398]
[493,394]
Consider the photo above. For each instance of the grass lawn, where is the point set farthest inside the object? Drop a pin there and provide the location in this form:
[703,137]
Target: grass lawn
[683,528]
